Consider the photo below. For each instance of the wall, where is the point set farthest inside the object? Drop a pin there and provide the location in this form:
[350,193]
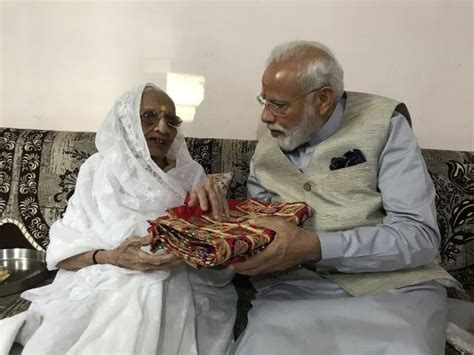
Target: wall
[64,63]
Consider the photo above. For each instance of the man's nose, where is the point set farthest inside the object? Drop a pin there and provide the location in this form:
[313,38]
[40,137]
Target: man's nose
[267,116]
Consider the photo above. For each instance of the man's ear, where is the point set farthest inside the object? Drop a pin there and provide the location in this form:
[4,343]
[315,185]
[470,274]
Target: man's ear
[327,100]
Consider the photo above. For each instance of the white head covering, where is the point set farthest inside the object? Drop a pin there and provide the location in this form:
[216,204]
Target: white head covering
[120,188]
[117,190]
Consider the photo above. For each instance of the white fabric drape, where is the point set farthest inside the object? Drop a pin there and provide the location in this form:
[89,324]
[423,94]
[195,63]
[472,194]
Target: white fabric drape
[120,188]
[106,309]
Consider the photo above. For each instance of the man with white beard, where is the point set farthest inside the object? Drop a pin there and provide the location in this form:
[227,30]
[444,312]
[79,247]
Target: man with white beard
[359,277]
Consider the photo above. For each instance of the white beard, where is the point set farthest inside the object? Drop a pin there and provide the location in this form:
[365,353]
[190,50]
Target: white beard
[298,135]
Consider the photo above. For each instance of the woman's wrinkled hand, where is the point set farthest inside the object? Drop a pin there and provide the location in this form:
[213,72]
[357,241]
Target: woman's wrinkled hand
[209,195]
[130,255]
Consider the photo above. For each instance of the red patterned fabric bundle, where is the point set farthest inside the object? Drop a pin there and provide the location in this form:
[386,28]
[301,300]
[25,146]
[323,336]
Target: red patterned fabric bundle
[202,241]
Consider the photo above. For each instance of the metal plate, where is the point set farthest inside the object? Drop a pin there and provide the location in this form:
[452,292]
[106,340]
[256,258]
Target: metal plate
[26,267]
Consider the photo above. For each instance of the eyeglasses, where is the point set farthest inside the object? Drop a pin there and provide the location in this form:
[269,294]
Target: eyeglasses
[151,117]
[279,108]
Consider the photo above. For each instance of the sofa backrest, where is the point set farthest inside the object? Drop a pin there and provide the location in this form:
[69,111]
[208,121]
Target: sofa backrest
[38,171]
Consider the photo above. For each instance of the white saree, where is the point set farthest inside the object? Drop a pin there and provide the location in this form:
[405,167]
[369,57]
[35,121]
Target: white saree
[104,309]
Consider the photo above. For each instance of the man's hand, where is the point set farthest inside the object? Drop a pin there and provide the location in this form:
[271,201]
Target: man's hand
[209,193]
[291,246]
[129,255]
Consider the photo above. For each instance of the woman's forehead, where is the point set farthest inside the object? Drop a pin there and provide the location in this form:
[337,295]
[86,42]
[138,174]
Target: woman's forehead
[157,100]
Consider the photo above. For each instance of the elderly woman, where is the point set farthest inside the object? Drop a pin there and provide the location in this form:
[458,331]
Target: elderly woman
[111,295]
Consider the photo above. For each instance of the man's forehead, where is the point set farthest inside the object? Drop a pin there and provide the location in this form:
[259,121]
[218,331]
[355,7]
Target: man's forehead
[288,70]
[280,72]
[281,76]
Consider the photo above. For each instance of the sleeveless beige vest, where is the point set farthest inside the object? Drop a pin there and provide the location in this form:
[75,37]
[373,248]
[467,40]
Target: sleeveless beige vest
[346,198]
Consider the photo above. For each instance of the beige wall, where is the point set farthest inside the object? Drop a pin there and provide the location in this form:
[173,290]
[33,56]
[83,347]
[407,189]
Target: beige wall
[64,63]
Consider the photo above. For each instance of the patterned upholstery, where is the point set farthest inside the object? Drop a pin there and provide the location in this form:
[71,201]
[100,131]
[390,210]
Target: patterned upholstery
[452,173]
[38,171]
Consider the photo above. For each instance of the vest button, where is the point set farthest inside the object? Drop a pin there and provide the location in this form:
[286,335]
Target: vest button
[307,186]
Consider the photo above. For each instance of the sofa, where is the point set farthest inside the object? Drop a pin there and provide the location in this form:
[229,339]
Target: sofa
[38,171]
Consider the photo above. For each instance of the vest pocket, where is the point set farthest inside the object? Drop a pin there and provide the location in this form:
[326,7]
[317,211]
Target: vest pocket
[346,198]
[347,183]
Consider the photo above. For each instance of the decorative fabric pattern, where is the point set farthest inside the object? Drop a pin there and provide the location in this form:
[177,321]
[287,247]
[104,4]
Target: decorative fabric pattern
[217,155]
[28,200]
[202,241]
[466,277]
[7,148]
[452,173]
[40,179]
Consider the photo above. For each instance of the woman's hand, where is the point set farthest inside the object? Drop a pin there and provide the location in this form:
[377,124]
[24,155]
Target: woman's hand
[208,194]
[129,255]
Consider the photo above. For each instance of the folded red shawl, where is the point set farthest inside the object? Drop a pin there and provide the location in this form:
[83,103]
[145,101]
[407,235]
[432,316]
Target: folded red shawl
[202,241]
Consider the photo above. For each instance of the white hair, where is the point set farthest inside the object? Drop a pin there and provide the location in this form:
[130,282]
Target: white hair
[322,70]
[150,87]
